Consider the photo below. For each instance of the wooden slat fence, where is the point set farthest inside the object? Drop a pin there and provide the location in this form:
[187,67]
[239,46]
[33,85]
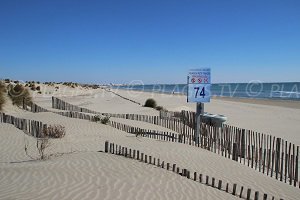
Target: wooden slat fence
[30,127]
[233,143]
[62,105]
[268,154]
[124,97]
[159,135]
[33,107]
[186,117]
[173,124]
[77,115]
[220,185]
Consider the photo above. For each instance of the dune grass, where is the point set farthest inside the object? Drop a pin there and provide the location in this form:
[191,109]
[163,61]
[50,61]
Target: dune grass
[18,94]
[2,93]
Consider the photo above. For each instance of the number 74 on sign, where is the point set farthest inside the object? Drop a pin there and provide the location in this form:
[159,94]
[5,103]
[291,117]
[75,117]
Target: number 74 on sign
[199,92]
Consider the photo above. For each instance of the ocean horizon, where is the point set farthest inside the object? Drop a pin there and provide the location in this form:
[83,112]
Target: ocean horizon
[255,89]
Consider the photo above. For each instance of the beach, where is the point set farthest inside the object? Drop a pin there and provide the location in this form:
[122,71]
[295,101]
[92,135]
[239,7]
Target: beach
[79,169]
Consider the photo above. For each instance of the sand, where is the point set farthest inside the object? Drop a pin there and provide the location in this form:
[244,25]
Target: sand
[76,170]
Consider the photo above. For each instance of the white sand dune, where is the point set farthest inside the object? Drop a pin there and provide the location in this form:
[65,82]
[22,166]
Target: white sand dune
[85,136]
[97,176]
[78,171]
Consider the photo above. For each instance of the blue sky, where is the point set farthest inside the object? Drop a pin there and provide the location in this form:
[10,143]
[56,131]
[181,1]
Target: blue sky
[149,40]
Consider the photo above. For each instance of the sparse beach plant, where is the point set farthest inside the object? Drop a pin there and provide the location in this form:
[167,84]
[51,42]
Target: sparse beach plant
[18,94]
[102,120]
[54,131]
[105,120]
[97,118]
[38,88]
[42,144]
[150,103]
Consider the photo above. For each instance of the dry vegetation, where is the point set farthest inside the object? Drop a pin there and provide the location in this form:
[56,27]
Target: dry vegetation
[18,94]
[43,143]
[54,131]
[2,94]
[101,119]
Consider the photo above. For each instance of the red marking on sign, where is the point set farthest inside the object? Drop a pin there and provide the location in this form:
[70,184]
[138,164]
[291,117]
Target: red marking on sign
[205,80]
[193,80]
[199,80]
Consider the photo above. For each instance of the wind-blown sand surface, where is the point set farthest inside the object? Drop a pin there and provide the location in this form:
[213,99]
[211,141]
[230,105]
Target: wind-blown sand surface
[78,171]
[261,115]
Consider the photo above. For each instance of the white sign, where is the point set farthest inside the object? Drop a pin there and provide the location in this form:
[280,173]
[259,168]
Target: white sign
[199,83]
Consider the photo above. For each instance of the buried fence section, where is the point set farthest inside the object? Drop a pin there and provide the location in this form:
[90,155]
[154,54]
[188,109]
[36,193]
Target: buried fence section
[261,152]
[33,107]
[237,191]
[62,105]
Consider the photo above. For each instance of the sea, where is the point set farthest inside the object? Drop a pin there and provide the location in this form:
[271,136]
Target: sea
[254,89]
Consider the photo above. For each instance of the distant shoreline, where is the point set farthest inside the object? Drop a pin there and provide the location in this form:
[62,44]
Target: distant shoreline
[269,102]
[287,103]
[252,90]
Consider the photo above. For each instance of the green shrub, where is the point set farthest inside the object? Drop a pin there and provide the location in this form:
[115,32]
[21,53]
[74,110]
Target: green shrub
[150,103]
[18,93]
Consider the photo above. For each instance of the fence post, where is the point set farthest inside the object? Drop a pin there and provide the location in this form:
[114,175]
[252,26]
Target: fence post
[248,194]
[256,196]
[234,189]
[220,184]
[106,146]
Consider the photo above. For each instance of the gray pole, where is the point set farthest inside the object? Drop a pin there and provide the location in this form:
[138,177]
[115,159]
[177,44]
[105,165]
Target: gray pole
[199,112]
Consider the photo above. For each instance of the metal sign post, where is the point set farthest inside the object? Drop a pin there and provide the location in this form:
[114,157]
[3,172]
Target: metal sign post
[199,112]
[199,83]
